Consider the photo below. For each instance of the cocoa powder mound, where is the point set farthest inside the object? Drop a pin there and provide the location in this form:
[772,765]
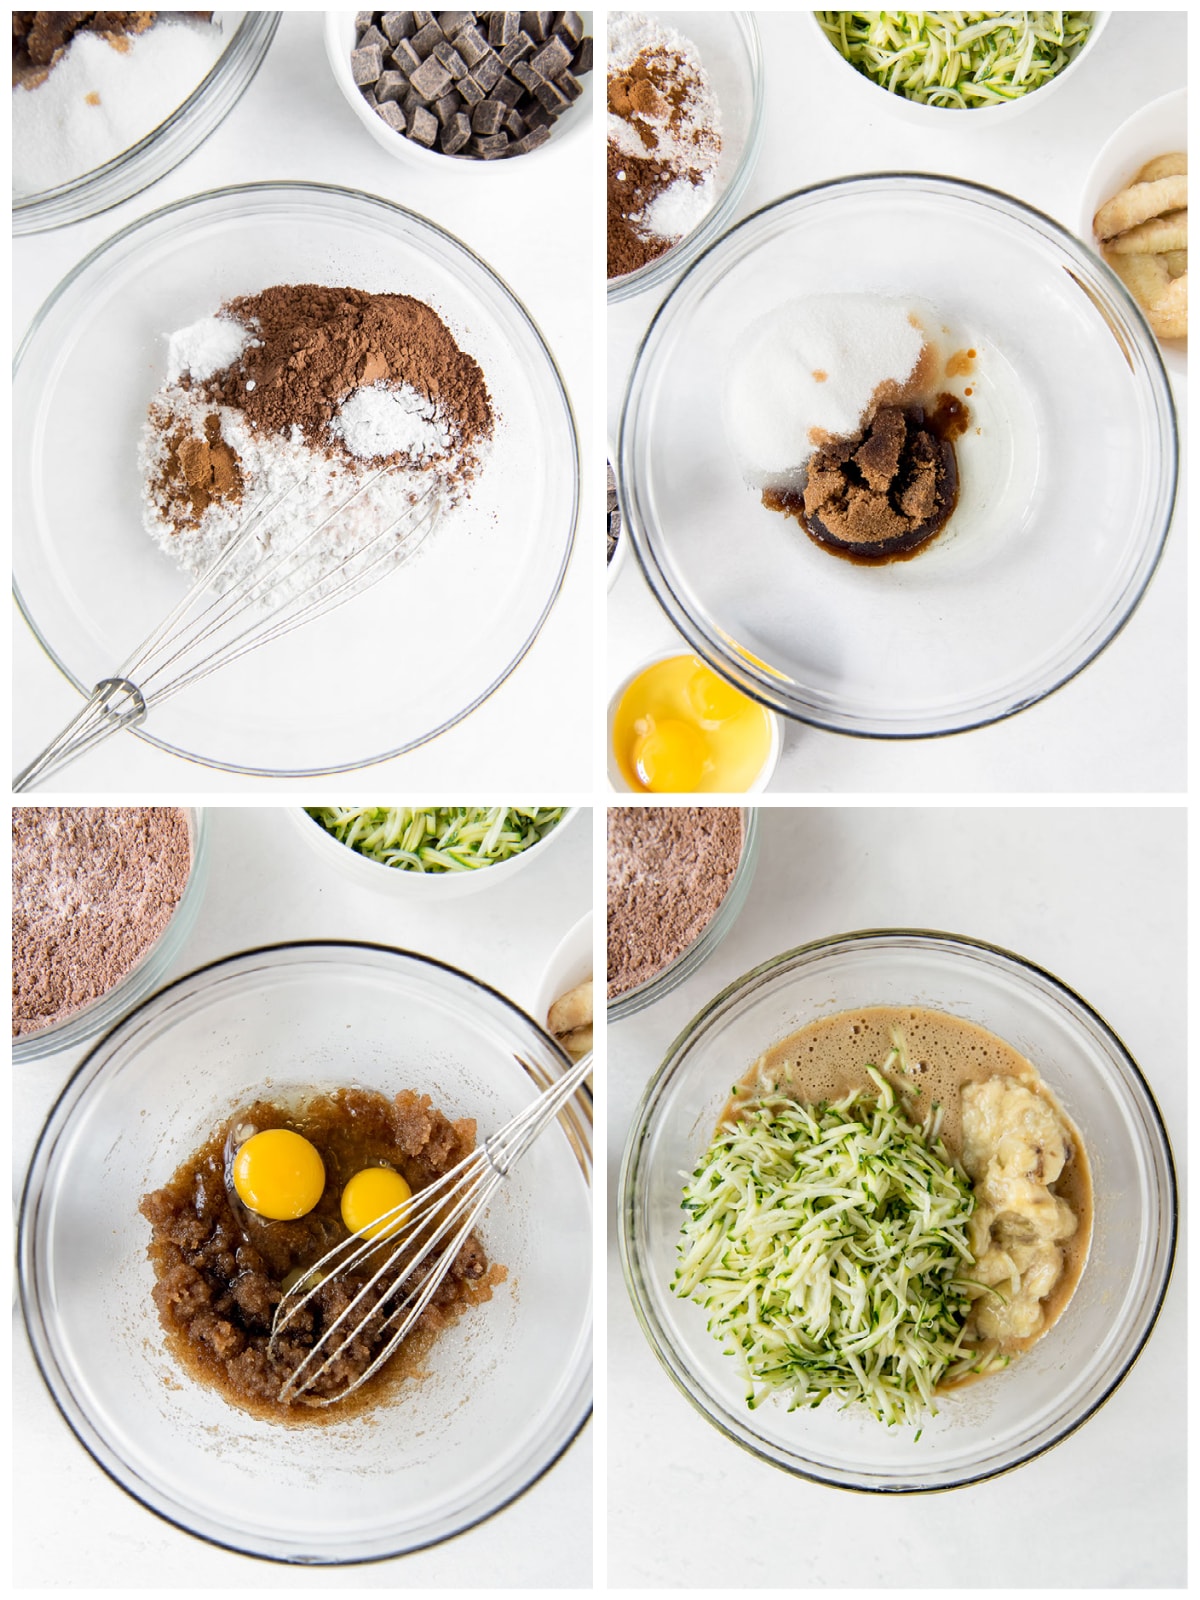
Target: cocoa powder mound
[316,345]
[633,182]
[669,869]
[93,887]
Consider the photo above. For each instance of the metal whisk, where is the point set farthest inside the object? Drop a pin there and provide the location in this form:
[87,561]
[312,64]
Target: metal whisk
[208,630]
[390,1302]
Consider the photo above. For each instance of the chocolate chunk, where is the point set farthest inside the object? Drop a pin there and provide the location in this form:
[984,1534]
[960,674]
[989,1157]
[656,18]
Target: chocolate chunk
[549,98]
[422,19]
[488,72]
[570,86]
[535,117]
[391,113]
[366,65]
[456,133]
[490,147]
[534,138]
[537,24]
[425,40]
[471,45]
[487,117]
[450,59]
[514,124]
[423,127]
[507,92]
[445,109]
[470,90]
[397,25]
[515,50]
[391,86]
[362,20]
[372,36]
[583,57]
[411,103]
[551,60]
[525,74]
[431,79]
[405,59]
[452,22]
[569,26]
[503,27]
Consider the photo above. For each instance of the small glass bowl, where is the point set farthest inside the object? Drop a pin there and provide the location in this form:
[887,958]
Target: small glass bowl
[153,967]
[1068,468]
[400,663]
[947,119]
[185,130]
[425,888]
[730,50]
[1000,1422]
[726,914]
[504,1391]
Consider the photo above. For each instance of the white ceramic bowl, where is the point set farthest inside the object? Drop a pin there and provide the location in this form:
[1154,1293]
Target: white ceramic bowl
[571,963]
[944,116]
[569,131]
[430,888]
[616,781]
[1153,131]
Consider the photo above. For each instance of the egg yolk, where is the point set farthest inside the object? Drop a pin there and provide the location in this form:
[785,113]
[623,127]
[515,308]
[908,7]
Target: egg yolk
[680,729]
[279,1174]
[670,757]
[368,1196]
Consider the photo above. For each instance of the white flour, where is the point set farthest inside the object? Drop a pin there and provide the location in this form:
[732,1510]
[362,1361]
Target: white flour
[99,100]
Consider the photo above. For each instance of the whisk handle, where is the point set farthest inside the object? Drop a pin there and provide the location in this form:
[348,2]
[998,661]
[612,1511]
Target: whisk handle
[114,703]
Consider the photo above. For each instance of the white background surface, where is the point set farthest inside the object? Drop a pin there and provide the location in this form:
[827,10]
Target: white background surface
[534,227]
[1130,702]
[1098,898]
[74,1528]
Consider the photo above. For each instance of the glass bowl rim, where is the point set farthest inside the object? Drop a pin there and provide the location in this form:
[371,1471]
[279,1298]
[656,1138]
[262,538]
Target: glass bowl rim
[654,274]
[39,213]
[697,635]
[659,1339]
[56,1120]
[278,190]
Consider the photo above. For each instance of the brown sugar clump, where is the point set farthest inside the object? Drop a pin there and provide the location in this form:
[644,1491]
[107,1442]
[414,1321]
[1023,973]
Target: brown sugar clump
[198,472]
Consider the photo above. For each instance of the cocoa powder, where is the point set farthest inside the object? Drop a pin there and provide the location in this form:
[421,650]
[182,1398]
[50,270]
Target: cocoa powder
[200,471]
[93,887]
[316,345]
[633,182]
[669,869]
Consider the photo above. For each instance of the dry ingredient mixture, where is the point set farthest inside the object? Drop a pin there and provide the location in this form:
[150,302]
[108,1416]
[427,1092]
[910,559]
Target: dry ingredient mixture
[89,84]
[669,869]
[311,390]
[93,888]
[480,85]
[220,1268]
[664,140]
[836,410]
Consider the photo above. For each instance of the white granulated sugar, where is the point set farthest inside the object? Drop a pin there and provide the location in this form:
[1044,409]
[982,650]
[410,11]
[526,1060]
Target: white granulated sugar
[99,100]
[383,420]
[206,347]
[679,208]
[810,369]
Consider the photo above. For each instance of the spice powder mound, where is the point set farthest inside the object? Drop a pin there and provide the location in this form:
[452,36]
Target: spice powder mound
[669,869]
[93,888]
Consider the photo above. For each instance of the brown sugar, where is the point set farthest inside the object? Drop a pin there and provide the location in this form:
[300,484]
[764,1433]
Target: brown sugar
[197,472]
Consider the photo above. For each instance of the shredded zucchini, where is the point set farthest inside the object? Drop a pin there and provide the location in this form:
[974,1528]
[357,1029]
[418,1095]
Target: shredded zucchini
[958,59]
[829,1246]
[438,839]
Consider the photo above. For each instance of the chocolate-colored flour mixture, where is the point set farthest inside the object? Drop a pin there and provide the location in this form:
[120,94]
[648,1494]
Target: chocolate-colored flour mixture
[669,868]
[93,887]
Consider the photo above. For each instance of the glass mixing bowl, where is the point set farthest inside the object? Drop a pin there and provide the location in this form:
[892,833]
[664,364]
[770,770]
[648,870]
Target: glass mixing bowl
[729,47]
[999,1422]
[151,158]
[400,663]
[726,914]
[1067,473]
[149,972]
[507,1388]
